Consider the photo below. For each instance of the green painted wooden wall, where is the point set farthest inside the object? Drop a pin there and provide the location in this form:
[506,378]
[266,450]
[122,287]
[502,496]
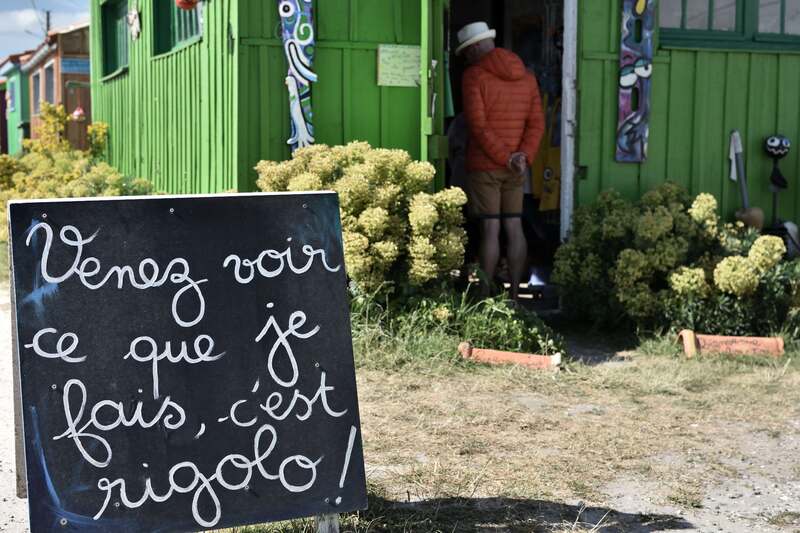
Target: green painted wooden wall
[348,104]
[199,119]
[698,97]
[21,112]
[173,117]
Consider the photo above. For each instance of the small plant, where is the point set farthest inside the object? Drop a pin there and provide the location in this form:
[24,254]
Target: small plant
[491,323]
[98,138]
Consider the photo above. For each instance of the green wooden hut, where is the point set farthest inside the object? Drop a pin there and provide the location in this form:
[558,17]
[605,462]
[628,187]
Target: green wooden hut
[194,99]
[17,103]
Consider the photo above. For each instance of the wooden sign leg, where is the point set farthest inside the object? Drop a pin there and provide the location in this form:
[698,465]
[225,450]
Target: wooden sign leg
[328,523]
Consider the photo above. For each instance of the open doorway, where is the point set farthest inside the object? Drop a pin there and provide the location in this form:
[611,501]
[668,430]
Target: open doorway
[534,30]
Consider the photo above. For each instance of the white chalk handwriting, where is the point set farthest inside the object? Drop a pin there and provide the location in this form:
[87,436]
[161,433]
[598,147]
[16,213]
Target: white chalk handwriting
[279,390]
[244,270]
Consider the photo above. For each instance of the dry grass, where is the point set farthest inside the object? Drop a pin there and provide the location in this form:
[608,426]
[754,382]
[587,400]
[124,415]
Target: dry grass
[451,447]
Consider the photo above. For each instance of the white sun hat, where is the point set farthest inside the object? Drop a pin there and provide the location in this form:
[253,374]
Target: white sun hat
[472,33]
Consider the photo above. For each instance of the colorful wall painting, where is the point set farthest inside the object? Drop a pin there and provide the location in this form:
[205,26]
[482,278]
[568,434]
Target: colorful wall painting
[636,67]
[299,45]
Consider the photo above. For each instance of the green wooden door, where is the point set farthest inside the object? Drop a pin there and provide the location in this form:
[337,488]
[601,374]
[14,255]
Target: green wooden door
[348,103]
[433,142]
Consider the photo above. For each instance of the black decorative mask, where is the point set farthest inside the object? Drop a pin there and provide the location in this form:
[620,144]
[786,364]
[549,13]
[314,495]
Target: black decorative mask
[777,146]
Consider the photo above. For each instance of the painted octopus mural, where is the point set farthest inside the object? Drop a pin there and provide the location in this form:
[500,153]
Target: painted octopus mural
[636,67]
[297,29]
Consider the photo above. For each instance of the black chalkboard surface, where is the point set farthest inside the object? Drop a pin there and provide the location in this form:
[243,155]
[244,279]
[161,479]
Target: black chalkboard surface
[185,362]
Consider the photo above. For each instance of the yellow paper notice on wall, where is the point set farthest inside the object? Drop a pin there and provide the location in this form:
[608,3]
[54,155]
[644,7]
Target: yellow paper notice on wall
[398,65]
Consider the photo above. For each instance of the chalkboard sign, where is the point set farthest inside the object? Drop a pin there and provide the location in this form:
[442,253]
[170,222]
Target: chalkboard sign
[185,362]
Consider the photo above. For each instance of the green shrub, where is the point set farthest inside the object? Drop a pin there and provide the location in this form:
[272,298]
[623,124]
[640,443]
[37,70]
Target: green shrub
[50,168]
[752,294]
[620,252]
[665,263]
[396,235]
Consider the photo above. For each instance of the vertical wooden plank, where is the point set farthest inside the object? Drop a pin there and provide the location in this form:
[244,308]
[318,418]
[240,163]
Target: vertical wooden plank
[365,103]
[590,126]
[736,96]
[374,22]
[622,177]
[347,89]
[709,156]
[654,171]
[328,120]
[762,110]
[596,36]
[681,112]
[332,20]
[327,523]
[788,123]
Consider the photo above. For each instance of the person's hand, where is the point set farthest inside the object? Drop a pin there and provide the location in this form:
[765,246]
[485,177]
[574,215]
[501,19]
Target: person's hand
[518,163]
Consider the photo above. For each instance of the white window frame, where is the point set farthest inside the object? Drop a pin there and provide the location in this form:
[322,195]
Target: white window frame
[49,65]
[36,87]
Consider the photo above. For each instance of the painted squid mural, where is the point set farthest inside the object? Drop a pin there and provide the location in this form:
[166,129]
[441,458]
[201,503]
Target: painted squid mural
[297,28]
[636,67]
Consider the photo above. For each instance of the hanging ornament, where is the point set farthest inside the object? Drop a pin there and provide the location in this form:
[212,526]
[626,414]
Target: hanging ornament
[134,24]
[79,115]
[188,5]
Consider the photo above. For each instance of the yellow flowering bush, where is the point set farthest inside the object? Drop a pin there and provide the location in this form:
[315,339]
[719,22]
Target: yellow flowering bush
[98,138]
[687,281]
[668,261]
[616,262]
[736,275]
[704,212]
[50,168]
[394,231]
[766,252]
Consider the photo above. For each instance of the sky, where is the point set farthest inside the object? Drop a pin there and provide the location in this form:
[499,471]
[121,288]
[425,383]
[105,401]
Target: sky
[22,21]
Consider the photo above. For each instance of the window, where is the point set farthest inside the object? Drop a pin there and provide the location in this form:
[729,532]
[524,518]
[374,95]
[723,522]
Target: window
[36,83]
[50,84]
[771,24]
[779,17]
[115,35]
[11,96]
[176,27]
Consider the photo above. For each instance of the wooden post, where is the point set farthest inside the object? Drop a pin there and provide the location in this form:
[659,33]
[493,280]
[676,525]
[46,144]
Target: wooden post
[327,523]
[569,113]
[19,444]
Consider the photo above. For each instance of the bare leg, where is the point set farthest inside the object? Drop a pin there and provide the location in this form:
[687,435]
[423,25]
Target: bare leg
[489,250]
[517,253]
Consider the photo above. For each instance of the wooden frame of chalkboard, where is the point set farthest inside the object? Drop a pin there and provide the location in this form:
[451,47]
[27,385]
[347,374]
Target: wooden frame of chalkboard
[185,362]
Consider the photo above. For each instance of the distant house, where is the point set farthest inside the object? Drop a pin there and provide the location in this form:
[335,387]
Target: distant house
[58,73]
[17,111]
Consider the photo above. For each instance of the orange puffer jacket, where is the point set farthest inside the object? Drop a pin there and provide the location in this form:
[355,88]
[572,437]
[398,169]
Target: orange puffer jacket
[503,109]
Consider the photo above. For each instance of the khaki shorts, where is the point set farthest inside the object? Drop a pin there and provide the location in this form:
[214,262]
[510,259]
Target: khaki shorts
[495,194]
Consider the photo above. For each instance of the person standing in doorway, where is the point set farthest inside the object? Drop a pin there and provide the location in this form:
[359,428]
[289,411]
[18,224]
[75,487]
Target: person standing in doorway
[506,124]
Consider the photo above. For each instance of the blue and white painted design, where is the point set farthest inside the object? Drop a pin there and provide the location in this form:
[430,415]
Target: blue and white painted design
[299,46]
